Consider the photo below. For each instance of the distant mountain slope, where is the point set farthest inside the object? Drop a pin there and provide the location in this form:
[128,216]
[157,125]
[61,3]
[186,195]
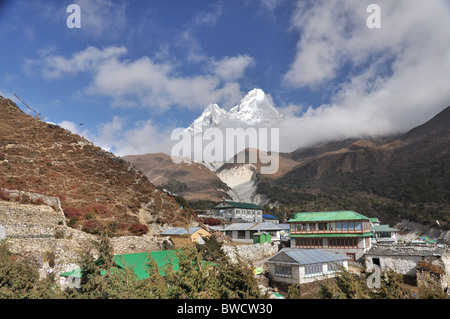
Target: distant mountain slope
[99,191]
[201,182]
[411,173]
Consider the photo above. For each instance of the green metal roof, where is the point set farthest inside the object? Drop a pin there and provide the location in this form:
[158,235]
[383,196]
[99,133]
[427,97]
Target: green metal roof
[327,216]
[138,261]
[243,205]
[333,235]
[381,228]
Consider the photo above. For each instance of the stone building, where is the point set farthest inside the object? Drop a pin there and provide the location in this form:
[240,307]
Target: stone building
[403,259]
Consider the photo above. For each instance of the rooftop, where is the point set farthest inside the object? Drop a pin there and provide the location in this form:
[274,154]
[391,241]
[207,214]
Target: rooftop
[305,256]
[138,261]
[256,226]
[179,231]
[327,216]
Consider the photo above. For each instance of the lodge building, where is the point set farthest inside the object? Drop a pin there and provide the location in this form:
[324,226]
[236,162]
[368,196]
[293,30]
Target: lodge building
[344,232]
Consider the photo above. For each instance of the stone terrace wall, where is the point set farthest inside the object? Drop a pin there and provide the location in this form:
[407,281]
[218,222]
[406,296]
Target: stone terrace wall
[28,221]
[250,253]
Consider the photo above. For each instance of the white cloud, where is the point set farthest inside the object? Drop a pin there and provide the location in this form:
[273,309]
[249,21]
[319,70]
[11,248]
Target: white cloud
[399,75]
[232,68]
[55,66]
[117,137]
[145,82]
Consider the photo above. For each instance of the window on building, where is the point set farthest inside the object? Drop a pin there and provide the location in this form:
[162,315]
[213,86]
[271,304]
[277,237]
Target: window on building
[345,226]
[313,270]
[351,256]
[334,266]
[339,225]
[338,242]
[358,225]
[321,226]
[332,226]
[309,242]
[283,270]
[241,234]
[351,225]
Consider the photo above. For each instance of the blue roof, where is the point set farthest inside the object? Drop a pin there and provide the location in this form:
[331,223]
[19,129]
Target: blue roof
[270,217]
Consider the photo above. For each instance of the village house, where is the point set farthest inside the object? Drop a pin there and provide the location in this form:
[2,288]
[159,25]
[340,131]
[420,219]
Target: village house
[271,219]
[182,236]
[237,211]
[343,232]
[244,232]
[403,258]
[299,266]
[384,233]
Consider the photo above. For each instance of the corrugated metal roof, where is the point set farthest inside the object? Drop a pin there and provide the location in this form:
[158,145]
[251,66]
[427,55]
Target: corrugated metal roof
[379,228]
[306,256]
[179,231]
[327,216]
[254,226]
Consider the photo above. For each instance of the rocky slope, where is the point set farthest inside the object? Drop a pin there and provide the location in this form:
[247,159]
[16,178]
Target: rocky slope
[201,182]
[98,190]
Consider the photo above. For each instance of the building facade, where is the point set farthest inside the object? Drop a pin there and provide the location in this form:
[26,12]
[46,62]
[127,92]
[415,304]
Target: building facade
[292,265]
[244,232]
[237,211]
[344,232]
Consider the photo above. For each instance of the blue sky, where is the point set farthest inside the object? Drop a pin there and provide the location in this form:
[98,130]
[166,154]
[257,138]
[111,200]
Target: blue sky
[136,70]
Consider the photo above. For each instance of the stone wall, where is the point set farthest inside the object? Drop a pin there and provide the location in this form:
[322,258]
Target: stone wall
[402,258]
[30,220]
[250,253]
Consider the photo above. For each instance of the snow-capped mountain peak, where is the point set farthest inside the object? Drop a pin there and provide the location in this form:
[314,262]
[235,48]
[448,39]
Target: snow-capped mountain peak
[254,108]
[211,116]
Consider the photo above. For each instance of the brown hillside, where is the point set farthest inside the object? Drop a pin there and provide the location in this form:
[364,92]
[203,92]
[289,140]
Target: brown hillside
[202,183]
[98,190]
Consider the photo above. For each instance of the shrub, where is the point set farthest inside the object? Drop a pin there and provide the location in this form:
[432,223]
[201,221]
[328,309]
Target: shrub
[93,226]
[73,212]
[4,195]
[138,229]
[212,221]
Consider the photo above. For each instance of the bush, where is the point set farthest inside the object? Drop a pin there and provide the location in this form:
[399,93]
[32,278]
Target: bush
[73,212]
[93,226]
[138,229]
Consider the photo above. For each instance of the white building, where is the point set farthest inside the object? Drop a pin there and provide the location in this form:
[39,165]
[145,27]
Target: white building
[243,232]
[237,211]
[294,265]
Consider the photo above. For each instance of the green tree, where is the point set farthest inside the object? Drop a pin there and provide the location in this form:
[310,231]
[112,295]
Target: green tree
[20,280]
